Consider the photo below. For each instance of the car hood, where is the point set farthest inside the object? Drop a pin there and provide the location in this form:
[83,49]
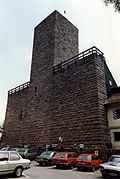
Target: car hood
[111,165]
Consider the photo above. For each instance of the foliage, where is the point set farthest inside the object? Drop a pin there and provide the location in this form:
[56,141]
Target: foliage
[116,4]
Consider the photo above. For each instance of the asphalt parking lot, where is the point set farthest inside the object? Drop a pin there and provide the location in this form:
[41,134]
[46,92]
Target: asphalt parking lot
[38,172]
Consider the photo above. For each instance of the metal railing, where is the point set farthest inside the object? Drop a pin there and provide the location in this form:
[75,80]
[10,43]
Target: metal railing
[90,51]
[93,50]
[19,88]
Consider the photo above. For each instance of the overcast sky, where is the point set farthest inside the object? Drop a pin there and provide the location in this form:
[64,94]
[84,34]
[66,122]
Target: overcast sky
[98,26]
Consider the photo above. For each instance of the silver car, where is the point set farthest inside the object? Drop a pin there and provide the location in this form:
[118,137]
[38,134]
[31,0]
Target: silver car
[12,162]
[111,168]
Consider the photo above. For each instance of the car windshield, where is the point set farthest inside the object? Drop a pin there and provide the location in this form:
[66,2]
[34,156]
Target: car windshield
[60,155]
[4,149]
[84,157]
[22,150]
[114,159]
[48,153]
[13,149]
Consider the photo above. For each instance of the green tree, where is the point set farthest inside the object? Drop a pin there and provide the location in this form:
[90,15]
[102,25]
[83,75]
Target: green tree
[116,4]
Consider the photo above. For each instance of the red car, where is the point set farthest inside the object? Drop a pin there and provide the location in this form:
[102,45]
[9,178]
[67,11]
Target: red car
[64,159]
[90,161]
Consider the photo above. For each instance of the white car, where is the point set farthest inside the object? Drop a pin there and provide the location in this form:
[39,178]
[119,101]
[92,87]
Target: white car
[12,162]
[111,168]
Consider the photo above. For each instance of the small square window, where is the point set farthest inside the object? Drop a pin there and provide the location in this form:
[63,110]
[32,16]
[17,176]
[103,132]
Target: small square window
[110,82]
[116,114]
[117,136]
[35,89]
[21,114]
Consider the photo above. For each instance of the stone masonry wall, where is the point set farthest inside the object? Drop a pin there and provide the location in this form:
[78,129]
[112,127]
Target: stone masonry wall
[56,39]
[17,125]
[68,102]
[76,113]
[79,97]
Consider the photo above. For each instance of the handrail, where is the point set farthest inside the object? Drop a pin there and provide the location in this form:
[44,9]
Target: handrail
[19,88]
[93,50]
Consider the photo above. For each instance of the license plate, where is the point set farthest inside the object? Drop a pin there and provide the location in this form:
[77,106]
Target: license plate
[82,163]
[58,161]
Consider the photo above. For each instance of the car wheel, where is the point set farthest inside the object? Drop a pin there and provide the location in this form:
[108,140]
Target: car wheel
[57,166]
[72,165]
[93,169]
[104,175]
[78,168]
[18,172]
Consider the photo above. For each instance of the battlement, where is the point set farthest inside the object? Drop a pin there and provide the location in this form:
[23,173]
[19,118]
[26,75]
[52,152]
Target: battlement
[82,55]
[19,88]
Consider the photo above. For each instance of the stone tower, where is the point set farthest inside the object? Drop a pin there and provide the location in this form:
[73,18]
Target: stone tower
[66,93]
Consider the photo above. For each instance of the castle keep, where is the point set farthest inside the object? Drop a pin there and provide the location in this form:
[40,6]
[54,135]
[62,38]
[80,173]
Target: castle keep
[66,93]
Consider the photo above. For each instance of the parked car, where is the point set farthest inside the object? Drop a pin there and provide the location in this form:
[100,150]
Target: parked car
[88,161]
[5,149]
[14,149]
[45,158]
[27,153]
[64,159]
[12,162]
[111,168]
